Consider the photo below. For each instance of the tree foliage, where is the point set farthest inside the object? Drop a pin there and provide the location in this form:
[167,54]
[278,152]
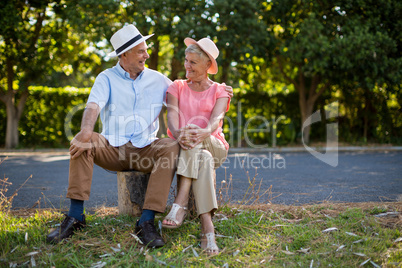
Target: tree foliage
[323,44]
[26,48]
[42,41]
[284,58]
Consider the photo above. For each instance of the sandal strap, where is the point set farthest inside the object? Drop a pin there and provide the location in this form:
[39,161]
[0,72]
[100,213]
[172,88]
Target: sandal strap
[211,244]
[173,213]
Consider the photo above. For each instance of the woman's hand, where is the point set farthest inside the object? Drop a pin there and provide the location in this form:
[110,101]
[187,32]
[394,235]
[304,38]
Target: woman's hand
[184,139]
[193,135]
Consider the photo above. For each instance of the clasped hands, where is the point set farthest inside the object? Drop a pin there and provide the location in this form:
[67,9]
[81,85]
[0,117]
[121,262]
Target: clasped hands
[192,135]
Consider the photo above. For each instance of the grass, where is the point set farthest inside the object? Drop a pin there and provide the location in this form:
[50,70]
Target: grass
[249,236]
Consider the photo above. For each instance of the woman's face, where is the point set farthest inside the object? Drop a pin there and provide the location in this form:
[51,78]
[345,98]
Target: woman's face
[196,66]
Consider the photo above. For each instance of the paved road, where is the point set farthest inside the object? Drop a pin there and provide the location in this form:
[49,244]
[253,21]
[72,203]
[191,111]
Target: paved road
[296,178]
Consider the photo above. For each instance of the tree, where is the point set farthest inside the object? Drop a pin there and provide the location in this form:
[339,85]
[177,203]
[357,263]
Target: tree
[236,26]
[35,41]
[370,55]
[25,38]
[320,43]
[91,23]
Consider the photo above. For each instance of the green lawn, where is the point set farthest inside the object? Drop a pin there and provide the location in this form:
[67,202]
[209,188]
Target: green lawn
[250,236]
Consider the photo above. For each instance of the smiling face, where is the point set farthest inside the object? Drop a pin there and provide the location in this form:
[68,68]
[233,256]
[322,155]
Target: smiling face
[196,66]
[133,60]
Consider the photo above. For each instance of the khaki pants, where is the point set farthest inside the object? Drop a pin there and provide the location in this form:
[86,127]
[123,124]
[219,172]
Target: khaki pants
[159,158]
[200,164]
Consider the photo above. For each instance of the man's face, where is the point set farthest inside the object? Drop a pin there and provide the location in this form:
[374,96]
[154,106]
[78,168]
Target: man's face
[133,61]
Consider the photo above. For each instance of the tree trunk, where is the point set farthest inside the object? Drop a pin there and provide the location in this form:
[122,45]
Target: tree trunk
[14,113]
[306,110]
[307,101]
[154,57]
[225,68]
[12,126]
[366,116]
[177,66]
[162,123]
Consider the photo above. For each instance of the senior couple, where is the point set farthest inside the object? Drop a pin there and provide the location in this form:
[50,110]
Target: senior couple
[129,98]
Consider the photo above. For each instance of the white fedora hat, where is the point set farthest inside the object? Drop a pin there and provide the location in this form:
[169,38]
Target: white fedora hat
[125,39]
[209,47]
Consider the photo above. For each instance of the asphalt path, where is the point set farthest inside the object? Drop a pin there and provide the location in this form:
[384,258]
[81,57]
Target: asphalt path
[296,178]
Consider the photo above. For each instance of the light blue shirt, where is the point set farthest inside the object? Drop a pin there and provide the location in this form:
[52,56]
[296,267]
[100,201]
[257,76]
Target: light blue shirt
[129,108]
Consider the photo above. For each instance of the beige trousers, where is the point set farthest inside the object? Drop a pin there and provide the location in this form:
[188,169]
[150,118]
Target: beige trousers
[159,158]
[200,164]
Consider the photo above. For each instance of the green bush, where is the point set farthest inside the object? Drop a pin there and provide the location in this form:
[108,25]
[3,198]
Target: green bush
[43,121]
[45,115]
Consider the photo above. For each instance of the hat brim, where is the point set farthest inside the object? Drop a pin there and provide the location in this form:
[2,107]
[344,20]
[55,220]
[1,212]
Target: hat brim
[113,53]
[214,66]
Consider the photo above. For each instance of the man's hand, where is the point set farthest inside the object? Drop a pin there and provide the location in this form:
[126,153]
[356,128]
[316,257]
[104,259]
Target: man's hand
[229,90]
[81,143]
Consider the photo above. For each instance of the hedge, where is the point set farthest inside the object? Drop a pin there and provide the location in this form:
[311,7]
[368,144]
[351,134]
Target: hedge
[43,121]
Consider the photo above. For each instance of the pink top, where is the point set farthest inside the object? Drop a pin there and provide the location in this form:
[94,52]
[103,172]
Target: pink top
[196,107]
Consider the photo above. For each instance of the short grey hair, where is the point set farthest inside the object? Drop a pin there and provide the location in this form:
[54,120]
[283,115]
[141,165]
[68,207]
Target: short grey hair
[193,48]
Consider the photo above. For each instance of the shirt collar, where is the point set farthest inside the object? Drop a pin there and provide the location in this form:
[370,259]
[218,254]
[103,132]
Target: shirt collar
[125,74]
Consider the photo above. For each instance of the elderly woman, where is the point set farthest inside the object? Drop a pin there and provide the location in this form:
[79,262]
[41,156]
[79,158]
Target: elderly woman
[196,107]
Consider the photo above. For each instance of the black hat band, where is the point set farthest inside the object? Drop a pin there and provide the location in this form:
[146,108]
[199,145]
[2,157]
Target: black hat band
[129,43]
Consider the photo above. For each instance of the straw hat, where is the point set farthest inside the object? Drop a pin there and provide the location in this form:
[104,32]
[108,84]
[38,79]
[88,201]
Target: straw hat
[209,47]
[125,39]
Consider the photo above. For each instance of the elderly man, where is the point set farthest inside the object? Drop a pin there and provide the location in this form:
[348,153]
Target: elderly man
[129,98]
